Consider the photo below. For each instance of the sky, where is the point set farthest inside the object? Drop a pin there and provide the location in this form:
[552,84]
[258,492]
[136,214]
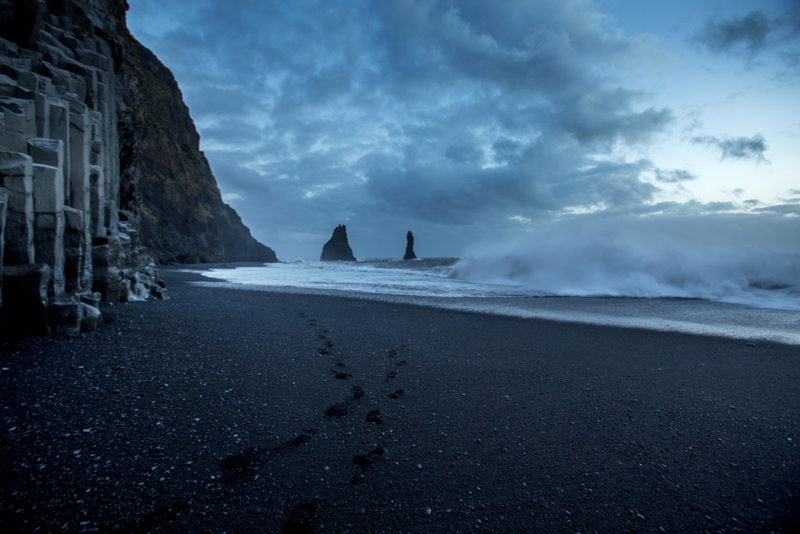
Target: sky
[469,122]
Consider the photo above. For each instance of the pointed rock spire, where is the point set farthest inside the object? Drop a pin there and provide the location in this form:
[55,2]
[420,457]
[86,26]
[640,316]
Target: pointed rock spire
[410,247]
[337,248]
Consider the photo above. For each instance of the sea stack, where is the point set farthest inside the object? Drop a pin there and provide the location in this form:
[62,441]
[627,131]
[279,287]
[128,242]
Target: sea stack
[337,248]
[410,247]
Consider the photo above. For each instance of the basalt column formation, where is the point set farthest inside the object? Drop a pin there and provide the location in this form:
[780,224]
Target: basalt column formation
[68,95]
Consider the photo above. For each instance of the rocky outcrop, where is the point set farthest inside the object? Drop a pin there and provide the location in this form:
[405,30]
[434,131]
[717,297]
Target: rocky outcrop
[337,248]
[410,247]
[99,164]
[62,109]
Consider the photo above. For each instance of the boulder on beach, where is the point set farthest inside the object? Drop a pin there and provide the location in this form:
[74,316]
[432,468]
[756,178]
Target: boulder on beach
[410,247]
[337,248]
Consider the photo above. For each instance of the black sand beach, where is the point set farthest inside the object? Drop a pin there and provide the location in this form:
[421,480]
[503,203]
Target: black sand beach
[237,411]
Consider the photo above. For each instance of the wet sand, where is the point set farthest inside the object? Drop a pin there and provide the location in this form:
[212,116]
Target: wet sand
[236,411]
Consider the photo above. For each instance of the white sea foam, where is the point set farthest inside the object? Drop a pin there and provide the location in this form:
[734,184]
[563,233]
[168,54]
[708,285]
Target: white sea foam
[746,286]
[640,261]
[426,278]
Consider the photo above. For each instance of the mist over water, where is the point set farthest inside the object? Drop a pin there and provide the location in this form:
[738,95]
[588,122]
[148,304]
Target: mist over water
[717,276]
[701,260]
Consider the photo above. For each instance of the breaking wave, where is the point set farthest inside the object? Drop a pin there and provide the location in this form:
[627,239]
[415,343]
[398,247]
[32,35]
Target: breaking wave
[718,262]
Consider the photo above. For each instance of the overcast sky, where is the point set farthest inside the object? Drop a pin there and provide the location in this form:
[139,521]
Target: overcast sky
[467,120]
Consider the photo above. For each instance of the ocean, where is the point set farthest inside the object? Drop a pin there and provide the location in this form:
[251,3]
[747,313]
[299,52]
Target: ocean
[755,301]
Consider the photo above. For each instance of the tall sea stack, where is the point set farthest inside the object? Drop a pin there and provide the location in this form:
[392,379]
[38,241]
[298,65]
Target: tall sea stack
[410,247]
[337,248]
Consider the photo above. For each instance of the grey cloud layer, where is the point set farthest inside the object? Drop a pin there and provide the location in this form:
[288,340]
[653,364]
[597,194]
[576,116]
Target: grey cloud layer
[444,112]
[753,34]
[674,176]
[736,147]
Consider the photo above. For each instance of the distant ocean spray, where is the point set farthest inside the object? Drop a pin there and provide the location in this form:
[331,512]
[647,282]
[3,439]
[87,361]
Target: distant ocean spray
[590,262]
[627,264]
[708,281]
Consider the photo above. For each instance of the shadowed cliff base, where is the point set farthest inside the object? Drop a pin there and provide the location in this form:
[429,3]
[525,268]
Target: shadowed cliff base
[70,128]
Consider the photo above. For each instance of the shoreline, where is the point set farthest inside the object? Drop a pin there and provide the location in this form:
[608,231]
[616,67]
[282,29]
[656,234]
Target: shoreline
[207,412]
[665,314]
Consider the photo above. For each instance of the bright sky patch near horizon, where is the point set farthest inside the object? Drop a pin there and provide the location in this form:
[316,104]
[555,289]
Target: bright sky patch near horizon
[466,121]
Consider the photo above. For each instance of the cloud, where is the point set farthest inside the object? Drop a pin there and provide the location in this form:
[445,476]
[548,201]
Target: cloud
[449,115]
[231,197]
[674,176]
[752,148]
[722,206]
[781,209]
[746,35]
[464,153]
[753,35]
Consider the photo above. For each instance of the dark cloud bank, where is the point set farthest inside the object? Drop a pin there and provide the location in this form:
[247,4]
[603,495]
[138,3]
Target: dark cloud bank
[448,118]
[752,148]
[750,36]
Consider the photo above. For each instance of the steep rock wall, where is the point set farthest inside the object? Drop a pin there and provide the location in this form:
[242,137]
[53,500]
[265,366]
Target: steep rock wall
[96,143]
[184,219]
[159,174]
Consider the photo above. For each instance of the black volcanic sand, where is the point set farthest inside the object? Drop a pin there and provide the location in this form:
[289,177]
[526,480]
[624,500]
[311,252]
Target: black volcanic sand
[236,411]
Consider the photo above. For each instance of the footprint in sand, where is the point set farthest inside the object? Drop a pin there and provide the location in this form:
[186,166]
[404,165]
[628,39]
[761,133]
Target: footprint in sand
[397,394]
[336,410]
[366,460]
[301,519]
[340,409]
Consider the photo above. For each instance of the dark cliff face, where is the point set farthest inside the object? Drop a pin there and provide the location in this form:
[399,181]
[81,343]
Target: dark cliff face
[157,171]
[337,248]
[130,111]
[183,217]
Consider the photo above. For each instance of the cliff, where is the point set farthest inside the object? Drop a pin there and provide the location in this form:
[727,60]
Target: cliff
[164,179]
[99,165]
[184,219]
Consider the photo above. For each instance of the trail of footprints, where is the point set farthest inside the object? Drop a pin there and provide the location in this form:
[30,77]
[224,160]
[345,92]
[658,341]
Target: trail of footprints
[342,408]
[238,467]
[350,404]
